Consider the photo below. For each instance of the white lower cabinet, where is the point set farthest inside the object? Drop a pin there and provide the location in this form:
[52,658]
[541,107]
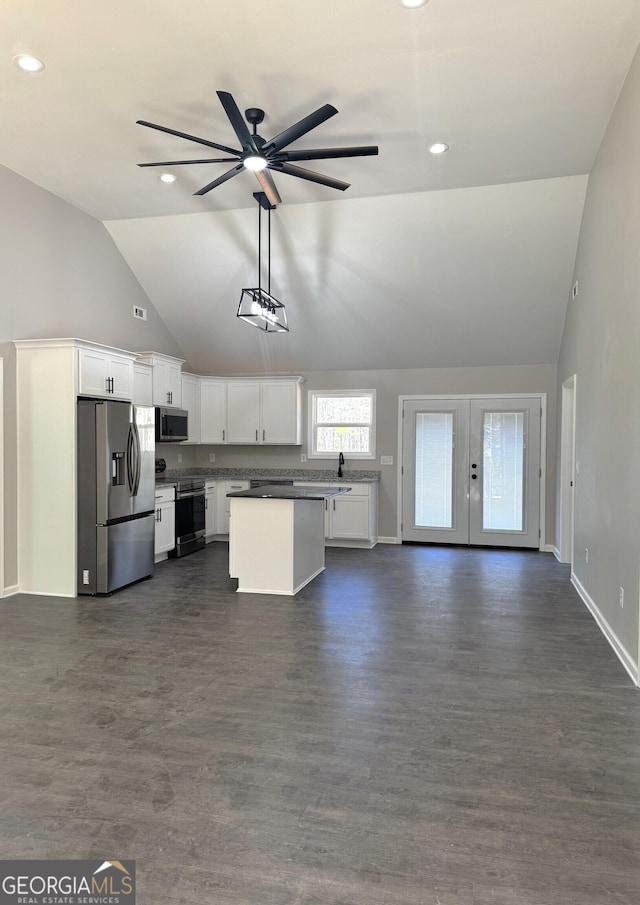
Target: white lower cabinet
[350,519]
[224,503]
[165,521]
[210,508]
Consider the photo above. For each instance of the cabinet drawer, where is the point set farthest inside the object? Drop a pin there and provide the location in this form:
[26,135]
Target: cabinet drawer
[165,495]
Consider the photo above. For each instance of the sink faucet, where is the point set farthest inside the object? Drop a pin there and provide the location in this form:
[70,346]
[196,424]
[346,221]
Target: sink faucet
[340,464]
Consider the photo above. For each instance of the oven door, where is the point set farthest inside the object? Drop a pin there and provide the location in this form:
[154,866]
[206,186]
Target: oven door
[190,515]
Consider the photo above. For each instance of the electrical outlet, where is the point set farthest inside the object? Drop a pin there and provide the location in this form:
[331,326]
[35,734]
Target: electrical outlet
[179,458]
[622,597]
[386,460]
[303,457]
[586,555]
[212,457]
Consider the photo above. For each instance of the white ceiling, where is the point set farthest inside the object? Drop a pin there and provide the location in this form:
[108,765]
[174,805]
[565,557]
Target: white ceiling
[460,260]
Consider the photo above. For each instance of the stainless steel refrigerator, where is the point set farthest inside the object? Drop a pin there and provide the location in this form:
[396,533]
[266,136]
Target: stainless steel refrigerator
[116,488]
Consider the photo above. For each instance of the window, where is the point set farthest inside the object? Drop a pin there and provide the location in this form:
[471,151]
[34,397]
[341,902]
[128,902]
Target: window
[342,422]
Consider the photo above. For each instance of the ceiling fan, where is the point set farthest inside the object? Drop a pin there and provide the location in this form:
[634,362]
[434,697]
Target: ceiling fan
[260,156]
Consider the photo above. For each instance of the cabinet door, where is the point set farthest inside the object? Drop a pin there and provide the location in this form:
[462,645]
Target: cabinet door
[191,402]
[350,517]
[120,370]
[165,535]
[243,411]
[92,373]
[210,525]
[224,503]
[281,412]
[105,375]
[174,384]
[213,411]
[167,384]
[142,384]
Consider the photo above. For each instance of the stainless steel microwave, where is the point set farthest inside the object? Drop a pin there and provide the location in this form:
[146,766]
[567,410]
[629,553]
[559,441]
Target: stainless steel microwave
[171,425]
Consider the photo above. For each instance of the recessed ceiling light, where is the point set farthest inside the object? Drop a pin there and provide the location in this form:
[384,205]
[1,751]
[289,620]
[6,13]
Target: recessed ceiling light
[168,177]
[414,4]
[439,148]
[28,63]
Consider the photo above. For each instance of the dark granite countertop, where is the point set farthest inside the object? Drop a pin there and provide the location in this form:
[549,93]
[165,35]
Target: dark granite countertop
[293,474]
[288,492]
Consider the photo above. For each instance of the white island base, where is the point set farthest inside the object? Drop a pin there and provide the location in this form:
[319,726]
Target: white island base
[276,546]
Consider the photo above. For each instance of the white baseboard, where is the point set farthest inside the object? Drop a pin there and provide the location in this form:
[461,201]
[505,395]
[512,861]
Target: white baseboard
[556,553]
[11,590]
[389,540]
[547,548]
[618,647]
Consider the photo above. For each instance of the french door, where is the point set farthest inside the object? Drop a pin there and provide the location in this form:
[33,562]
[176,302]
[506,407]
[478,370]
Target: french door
[471,471]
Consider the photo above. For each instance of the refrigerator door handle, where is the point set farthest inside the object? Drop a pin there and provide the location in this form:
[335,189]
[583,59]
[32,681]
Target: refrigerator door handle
[133,460]
[138,458]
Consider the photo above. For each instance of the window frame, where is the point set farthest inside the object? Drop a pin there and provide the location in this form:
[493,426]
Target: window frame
[312,453]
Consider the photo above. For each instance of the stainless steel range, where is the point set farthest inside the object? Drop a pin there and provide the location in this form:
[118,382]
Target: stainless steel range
[190,515]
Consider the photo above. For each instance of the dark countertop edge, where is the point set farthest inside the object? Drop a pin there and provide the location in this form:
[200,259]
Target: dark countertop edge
[288,492]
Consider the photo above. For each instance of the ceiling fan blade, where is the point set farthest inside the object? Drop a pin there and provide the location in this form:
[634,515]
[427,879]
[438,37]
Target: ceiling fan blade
[268,186]
[216,182]
[237,121]
[326,153]
[282,139]
[308,174]
[178,163]
[200,141]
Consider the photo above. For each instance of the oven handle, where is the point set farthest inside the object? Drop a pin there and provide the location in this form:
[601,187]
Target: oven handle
[189,494]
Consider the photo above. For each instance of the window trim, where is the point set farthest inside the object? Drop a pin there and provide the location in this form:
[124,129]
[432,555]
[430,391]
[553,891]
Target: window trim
[311,433]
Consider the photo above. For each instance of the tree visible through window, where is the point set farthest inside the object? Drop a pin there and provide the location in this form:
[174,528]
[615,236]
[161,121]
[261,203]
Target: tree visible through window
[342,422]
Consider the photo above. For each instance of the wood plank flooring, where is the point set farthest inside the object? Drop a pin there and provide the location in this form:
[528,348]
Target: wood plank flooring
[419,726]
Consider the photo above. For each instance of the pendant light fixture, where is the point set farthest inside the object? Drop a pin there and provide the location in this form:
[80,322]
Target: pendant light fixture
[257,307]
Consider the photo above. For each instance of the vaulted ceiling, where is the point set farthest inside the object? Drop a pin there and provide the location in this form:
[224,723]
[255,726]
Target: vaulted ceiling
[459,260]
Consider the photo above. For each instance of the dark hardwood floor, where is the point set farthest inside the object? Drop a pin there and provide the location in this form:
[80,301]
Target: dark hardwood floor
[419,726]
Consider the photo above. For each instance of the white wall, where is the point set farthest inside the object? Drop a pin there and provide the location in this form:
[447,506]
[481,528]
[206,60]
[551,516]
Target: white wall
[61,275]
[601,344]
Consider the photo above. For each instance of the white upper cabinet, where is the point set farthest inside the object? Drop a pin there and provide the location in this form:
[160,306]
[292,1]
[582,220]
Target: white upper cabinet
[191,402]
[167,378]
[105,372]
[142,383]
[243,411]
[213,410]
[281,409]
[264,411]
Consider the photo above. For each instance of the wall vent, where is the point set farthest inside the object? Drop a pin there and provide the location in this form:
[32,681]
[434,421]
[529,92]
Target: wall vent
[140,313]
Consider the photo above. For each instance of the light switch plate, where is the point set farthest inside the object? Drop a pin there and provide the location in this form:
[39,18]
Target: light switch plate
[386,460]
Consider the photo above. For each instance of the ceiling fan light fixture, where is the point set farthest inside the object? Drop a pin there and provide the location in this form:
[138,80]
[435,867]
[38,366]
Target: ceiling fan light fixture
[255,163]
[167,177]
[28,63]
[439,147]
[413,4]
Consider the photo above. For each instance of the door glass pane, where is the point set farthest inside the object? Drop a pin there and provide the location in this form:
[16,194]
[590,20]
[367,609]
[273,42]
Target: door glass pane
[434,470]
[503,471]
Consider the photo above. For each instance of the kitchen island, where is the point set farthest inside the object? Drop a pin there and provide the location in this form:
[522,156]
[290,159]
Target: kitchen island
[276,537]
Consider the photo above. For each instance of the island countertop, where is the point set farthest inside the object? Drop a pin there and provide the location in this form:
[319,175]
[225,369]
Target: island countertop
[289,492]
